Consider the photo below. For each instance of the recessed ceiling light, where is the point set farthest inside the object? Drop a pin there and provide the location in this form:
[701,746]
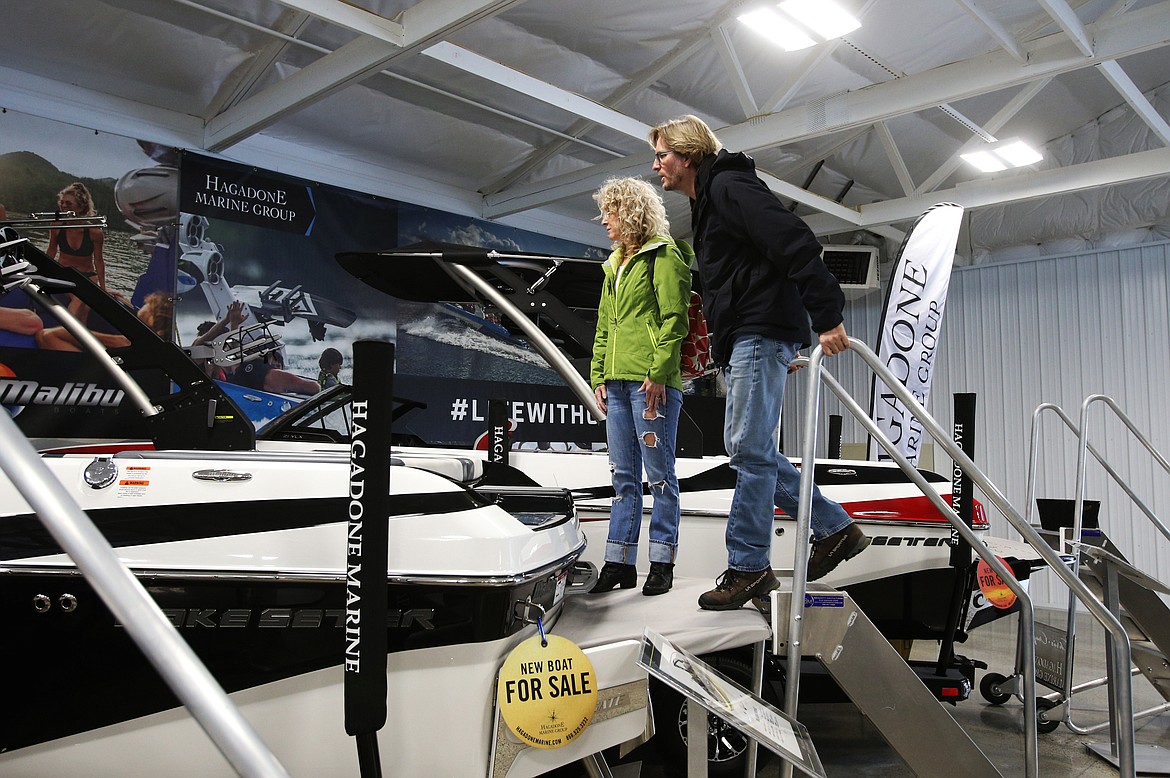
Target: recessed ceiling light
[1017,153]
[985,161]
[1003,154]
[822,16]
[778,29]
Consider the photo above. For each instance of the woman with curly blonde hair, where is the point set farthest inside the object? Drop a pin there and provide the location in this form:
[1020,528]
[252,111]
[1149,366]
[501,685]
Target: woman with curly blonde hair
[637,379]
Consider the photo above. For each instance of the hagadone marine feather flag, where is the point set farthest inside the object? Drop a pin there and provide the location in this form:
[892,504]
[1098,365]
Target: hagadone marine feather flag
[911,324]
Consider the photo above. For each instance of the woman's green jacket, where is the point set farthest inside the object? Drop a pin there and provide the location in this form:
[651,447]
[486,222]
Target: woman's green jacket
[641,322]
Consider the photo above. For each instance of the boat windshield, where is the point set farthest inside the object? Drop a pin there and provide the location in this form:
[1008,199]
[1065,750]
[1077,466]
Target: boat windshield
[327,417]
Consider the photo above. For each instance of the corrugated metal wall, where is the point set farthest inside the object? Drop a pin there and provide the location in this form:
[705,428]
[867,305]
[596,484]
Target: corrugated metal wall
[1053,330]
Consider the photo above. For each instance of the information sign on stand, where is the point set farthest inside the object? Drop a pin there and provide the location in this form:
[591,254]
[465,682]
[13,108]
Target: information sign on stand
[698,681]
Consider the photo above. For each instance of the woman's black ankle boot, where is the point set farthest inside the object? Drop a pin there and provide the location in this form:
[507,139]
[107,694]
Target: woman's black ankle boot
[615,574]
[660,579]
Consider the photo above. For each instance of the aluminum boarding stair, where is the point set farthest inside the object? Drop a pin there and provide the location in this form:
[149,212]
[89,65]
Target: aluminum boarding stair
[1141,611]
[839,635]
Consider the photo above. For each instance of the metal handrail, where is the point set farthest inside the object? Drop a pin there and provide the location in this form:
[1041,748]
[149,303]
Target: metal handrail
[1118,649]
[1078,527]
[1081,457]
[1031,477]
[1122,723]
[133,607]
[1030,495]
[1026,622]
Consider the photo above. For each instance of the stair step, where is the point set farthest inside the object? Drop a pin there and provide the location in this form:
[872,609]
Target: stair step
[1152,662]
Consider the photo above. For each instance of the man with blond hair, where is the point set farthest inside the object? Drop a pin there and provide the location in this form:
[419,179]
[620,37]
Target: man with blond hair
[762,280]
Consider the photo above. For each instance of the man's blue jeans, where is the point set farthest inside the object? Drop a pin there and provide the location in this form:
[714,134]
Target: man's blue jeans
[765,478]
[635,441]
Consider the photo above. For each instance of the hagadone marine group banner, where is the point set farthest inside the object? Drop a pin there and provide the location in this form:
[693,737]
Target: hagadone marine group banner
[911,322]
[270,241]
[224,245]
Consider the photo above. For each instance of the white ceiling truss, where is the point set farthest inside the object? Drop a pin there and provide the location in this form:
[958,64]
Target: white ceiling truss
[829,103]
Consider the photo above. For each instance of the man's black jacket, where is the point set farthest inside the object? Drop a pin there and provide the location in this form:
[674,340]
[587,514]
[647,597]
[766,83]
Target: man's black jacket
[759,264]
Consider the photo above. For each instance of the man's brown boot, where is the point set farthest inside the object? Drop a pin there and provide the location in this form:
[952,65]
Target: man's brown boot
[835,549]
[735,587]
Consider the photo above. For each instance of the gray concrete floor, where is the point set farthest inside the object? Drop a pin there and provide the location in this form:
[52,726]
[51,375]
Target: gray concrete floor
[848,744]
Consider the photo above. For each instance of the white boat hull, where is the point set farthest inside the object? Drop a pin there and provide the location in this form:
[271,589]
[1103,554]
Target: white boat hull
[246,554]
[886,511]
[440,723]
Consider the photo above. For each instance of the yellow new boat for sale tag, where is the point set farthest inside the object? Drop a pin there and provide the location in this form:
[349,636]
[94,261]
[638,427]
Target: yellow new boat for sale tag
[993,587]
[547,694]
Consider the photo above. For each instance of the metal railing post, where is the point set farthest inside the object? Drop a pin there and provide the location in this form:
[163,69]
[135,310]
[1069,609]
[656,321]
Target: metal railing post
[1120,645]
[1025,642]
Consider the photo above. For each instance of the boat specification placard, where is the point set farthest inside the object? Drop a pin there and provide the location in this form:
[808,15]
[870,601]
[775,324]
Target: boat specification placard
[698,681]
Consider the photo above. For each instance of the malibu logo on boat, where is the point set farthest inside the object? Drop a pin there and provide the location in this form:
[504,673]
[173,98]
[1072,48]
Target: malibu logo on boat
[14,391]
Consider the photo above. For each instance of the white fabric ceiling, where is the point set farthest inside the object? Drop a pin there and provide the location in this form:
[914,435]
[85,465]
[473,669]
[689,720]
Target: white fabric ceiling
[516,111]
